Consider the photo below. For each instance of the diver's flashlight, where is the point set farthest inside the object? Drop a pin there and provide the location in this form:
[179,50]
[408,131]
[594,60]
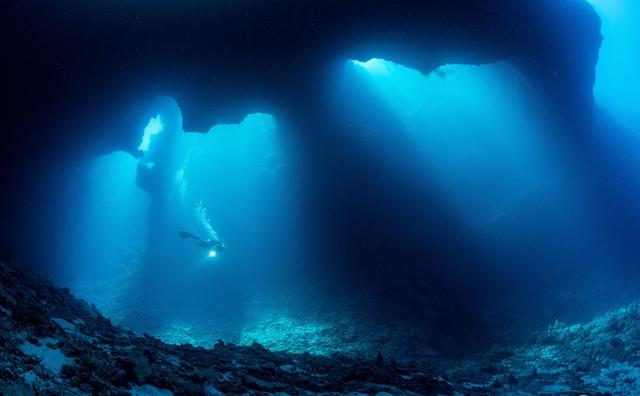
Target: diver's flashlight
[212,253]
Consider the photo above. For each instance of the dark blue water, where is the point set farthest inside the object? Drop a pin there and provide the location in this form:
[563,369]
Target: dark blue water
[440,202]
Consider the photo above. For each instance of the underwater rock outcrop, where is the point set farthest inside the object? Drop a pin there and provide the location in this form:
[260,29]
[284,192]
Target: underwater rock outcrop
[53,342]
[601,357]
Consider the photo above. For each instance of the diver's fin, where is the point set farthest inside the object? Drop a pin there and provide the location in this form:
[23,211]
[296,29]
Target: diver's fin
[185,234]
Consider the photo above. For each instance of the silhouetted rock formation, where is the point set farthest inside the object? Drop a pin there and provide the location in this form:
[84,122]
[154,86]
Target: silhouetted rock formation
[73,64]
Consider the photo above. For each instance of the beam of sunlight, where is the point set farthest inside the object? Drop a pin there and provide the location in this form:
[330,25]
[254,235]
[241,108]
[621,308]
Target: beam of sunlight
[483,143]
[473,128]
[374,66]
[154,127]
[106,232]
[229,185]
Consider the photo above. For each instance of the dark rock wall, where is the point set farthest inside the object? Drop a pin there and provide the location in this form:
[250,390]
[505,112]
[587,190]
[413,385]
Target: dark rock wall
[73,68]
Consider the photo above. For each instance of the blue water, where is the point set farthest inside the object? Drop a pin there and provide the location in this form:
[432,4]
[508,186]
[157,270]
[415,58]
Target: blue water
[485,144]
[617,86]
[476,142]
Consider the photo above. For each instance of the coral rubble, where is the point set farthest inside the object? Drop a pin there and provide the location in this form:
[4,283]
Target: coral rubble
[54,343]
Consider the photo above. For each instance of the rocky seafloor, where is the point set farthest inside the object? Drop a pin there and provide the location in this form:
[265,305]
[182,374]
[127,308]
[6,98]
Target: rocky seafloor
[54,343]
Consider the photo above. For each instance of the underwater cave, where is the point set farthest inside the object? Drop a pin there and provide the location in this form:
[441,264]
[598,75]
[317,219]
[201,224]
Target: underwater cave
[411,197]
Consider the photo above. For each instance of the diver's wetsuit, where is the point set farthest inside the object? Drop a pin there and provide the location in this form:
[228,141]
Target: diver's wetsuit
[212,244]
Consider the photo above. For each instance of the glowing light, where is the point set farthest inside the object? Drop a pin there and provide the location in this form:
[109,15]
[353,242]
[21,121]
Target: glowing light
[461,122]
[374,66]
[154,127]
[212,253]
[608,7]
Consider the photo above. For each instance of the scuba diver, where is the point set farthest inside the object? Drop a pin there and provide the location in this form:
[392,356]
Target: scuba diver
[214,245]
